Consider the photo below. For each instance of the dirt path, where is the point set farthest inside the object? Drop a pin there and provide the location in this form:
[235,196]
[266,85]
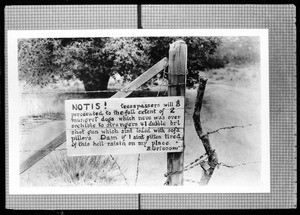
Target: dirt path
[223,106]
[226,106]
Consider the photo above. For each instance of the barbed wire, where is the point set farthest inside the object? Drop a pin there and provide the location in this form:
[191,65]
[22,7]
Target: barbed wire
[83,92]
[219,164]
[139,155]
[191,180]
[119,169]
[75,91]
[42,150]
[229,127]
[104,91]
[233,166]
[198,160]
[191,165]
[137,169]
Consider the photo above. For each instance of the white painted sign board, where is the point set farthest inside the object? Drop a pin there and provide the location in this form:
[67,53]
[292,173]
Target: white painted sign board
[124,125]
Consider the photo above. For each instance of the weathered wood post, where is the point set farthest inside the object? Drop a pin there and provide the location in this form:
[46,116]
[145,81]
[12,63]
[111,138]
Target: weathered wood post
[177,82]
[212,155]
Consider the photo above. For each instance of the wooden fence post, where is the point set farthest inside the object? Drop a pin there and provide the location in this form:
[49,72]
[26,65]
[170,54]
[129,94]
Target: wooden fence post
[177,82]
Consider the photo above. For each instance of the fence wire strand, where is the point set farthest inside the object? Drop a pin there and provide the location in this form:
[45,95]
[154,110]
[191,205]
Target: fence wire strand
[98,91]
[42,150]
[199,161]
[191,165]
[139,155]
[119,169]
[137,169]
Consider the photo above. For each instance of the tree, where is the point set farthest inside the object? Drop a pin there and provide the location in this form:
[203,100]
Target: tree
[94,60]
[35,60]
[87,60]
[91,60]
[199,49]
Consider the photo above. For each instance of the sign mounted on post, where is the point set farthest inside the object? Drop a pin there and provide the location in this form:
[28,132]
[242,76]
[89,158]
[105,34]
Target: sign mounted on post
[124,126]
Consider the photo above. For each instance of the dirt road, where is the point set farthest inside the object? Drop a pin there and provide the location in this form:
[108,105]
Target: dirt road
[223,106]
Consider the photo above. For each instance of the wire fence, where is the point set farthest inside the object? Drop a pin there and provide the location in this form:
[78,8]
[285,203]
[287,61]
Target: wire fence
[57,104]
[201,161]
[49,102]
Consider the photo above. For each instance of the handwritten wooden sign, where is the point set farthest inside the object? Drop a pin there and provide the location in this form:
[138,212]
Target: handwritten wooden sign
[124,126]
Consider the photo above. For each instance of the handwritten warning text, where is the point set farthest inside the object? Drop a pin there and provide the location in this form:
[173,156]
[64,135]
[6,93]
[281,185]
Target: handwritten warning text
[124,126]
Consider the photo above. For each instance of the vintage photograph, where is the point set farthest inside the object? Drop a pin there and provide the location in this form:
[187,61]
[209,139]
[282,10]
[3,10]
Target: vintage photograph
[138,111]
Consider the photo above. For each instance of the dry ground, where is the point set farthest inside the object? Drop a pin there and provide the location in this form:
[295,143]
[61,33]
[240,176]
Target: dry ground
[232,97]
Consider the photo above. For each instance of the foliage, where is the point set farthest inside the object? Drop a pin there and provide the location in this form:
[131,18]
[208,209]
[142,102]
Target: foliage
[130,58]
[159,48]
[215,61]
[35,60]
[239,50]
[87,60]
[83,170]
[199,49]
[94,60]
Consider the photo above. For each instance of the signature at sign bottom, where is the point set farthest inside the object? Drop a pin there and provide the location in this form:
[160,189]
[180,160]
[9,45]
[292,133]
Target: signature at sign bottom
[148,125]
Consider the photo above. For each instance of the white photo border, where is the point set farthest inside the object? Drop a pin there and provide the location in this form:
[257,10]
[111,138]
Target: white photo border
[14,102]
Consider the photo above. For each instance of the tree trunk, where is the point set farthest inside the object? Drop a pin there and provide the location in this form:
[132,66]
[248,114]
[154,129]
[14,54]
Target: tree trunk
[212,156]
[98,83]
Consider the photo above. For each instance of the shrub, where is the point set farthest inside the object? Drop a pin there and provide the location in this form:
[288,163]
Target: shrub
[239,50]
[215,62]
[82,170]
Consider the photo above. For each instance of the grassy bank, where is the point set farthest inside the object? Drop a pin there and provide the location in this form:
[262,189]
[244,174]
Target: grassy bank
[50,100]
[40,104]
